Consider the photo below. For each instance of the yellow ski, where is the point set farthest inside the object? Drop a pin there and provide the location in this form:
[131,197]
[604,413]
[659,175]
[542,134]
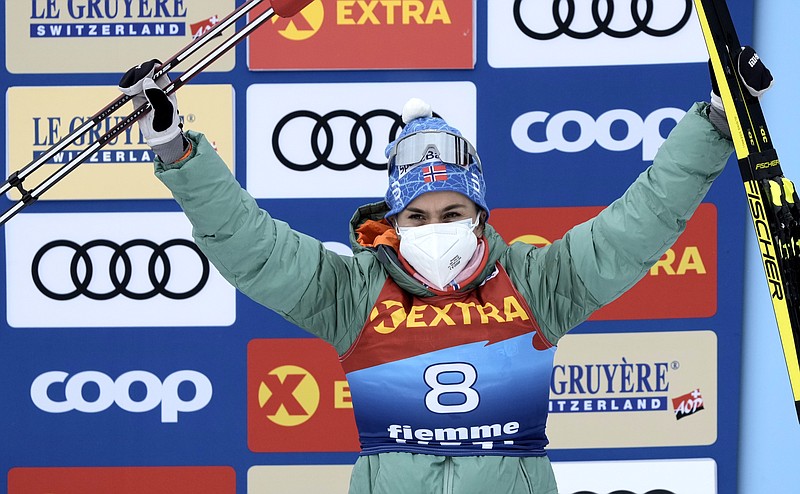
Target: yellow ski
[772,199]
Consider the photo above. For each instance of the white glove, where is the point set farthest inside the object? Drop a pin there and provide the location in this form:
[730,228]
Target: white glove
[161,127]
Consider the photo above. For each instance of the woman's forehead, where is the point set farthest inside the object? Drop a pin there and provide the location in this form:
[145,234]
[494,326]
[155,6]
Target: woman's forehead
[442,199]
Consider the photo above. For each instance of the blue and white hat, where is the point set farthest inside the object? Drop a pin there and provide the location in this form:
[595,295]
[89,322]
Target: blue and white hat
[429,155]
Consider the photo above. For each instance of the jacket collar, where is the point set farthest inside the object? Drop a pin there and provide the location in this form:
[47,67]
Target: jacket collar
[378,239]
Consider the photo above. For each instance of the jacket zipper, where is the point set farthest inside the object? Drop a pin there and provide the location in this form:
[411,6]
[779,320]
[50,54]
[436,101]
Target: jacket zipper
[448,475]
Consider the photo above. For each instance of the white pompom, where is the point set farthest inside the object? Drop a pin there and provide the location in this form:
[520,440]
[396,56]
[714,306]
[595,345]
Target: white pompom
[416,108]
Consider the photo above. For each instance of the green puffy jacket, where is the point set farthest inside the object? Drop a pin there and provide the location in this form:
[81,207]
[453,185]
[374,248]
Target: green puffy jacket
[331,295]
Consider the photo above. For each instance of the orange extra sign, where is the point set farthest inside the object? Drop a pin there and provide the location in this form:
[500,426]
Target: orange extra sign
[368,34]
[297,398]
[682,284]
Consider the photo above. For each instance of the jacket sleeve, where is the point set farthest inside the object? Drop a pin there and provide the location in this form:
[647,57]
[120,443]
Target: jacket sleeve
[280,268]
[597,261]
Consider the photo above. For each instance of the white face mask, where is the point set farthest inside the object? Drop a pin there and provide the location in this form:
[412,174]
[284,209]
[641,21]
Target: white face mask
[439,251]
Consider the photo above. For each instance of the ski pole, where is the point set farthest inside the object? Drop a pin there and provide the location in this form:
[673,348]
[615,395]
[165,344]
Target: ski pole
[282,8]
[112,107]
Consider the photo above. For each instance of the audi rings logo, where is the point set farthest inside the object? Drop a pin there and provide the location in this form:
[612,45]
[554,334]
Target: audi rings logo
[606,18]
[84,265]
[361,139]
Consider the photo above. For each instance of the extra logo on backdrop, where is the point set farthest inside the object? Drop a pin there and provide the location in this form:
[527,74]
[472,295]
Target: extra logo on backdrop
[328,140]
[369,34]
[297,398]
[39,117]
[557,33]
[607,388]
[111,269]
[122,480]
[80,36]
[683,283]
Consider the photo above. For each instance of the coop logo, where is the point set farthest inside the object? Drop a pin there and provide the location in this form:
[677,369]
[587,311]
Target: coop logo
[110,18]
[58,392]
[539,132]
[298,398]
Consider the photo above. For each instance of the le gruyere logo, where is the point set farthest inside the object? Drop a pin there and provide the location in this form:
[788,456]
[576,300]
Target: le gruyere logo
[40,117]
[607,388]
[111,18]
[53,36]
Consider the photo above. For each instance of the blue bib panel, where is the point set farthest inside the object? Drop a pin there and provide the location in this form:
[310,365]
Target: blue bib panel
[456,374]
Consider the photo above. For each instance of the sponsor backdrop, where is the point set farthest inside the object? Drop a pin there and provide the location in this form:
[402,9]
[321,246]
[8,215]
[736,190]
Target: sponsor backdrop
[128,362]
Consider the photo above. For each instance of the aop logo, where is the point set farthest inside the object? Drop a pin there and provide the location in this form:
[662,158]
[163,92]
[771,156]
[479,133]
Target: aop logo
[602,131]
[606,19]
[289,395]
[46,389]
[321,139]
[87,263]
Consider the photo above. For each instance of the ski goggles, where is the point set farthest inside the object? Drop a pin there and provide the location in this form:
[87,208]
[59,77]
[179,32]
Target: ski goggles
[427,146]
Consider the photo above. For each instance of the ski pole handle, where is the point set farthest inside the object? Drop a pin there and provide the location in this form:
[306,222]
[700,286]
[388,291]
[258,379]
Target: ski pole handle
[288,8]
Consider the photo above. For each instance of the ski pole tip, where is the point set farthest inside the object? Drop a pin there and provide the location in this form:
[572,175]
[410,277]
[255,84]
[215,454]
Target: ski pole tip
[288,8]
